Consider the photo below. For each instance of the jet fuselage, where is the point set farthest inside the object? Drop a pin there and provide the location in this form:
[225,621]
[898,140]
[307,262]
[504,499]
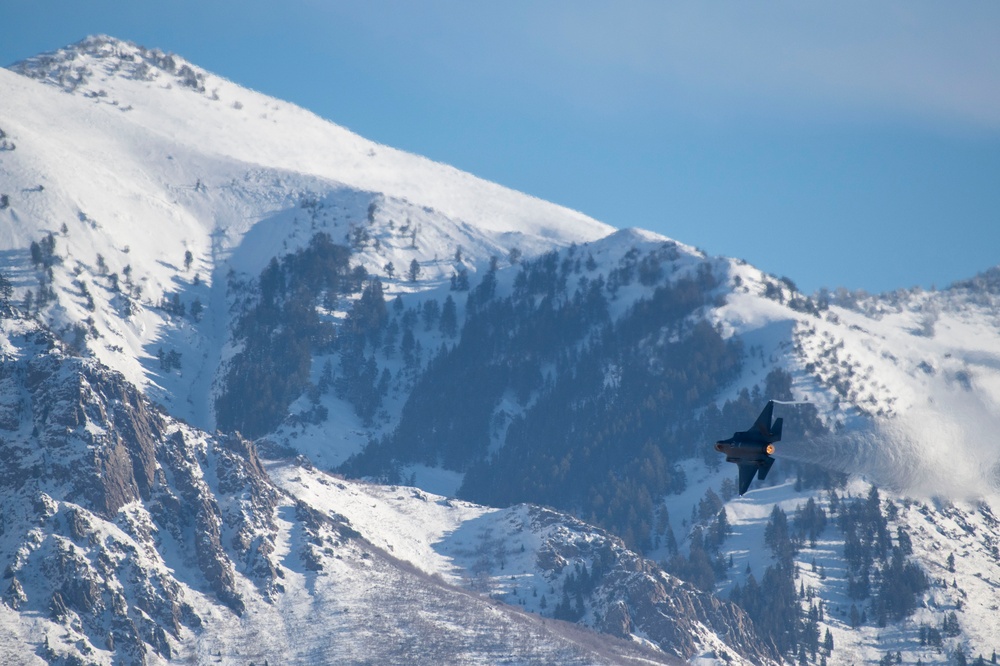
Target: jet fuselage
[751,449]
[744,451]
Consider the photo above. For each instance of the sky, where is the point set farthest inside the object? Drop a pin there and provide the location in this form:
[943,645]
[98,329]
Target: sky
[849,144]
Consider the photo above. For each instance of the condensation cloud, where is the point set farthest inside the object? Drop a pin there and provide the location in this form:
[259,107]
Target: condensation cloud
[949,447]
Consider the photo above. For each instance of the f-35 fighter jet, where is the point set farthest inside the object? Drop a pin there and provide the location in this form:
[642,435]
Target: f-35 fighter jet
[751,449]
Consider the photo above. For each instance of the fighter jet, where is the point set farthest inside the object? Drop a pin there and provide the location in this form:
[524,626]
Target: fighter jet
[751,449]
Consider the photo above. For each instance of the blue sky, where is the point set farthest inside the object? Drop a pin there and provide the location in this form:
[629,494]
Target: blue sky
[850,144]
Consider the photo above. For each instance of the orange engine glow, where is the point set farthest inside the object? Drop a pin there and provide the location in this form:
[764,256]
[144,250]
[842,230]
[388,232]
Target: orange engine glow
[769,449]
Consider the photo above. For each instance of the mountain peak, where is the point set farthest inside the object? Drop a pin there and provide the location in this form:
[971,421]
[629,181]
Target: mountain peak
[73,67]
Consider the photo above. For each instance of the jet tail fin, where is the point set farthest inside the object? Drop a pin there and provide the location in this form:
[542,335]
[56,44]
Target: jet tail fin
[776,429]
[749,470]
[763,422]
[765,467]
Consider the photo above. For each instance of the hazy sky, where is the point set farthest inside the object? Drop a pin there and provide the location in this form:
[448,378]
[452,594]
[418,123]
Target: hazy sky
[847,144]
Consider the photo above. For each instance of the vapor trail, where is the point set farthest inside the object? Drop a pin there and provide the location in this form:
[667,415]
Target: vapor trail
[949,447]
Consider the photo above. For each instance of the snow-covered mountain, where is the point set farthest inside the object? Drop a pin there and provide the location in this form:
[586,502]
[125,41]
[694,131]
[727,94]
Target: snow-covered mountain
[181,254]
[141,199]
[144,157]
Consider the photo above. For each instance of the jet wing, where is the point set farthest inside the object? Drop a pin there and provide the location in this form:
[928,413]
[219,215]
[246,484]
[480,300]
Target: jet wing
[747,472]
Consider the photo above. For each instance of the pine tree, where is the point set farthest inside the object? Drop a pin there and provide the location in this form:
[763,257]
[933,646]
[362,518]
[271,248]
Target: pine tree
[414,271]
[6,289]
[449,317]
[460,280]
[431,313]
[408,347]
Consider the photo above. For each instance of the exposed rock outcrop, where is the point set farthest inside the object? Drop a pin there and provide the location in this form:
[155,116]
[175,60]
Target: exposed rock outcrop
[623,594]
[85,451]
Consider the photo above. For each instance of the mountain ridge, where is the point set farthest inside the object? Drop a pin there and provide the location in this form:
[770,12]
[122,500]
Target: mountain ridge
[96,51]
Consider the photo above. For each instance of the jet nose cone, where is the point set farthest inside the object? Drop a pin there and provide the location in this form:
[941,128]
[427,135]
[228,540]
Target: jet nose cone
[718,446]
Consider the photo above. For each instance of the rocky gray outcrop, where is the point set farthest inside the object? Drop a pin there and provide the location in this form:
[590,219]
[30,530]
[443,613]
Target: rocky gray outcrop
[107,502]
[620,593]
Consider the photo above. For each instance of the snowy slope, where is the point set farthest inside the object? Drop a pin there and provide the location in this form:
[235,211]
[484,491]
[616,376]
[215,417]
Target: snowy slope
[908,381]
[128,537]
[209,115]
[526,557]
[142,157]
[920,367]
